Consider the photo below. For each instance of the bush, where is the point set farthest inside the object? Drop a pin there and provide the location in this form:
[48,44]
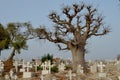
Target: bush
[54,69]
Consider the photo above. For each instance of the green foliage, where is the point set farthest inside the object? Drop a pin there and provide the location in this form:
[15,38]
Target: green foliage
[47,57]
[54,69]
[39,68]
[4,38]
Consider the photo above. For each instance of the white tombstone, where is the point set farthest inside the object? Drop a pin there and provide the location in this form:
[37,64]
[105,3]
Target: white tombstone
[16,65]
[42,77]
[46,67]
[36,65]
[93,68]
[61,67]
[27,74]
[49,67]
[11,73]
[23,67]
[118,65]
[80,69]
[101,66]
[118,77]
[101,73]
[28,66]
[1,66]
[70,75]
[7,77]
[15,77]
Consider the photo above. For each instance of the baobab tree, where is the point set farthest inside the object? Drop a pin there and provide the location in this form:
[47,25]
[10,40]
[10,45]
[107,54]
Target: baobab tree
[77,24]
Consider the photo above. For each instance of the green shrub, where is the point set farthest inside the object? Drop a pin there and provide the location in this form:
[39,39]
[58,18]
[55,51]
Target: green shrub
[54,69]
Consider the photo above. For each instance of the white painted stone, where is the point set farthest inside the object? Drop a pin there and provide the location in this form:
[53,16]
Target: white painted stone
[16,65]
[102,75]
[27,74]
[93,68]
[22,70]
[101,66]
[61,67]
[45,72]
[7,77]
[36,65]
[79,69]
[70,75]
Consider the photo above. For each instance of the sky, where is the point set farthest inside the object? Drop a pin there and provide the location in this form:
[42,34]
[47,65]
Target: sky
[37,11]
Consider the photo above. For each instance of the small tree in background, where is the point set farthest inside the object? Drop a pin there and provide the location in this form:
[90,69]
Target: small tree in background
[47,57]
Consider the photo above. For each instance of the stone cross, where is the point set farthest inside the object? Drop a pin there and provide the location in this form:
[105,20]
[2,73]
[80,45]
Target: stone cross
[1,66]
[28,66]
[49,67]
[101,65]
[11,73]
[44,65]
[16,65]
[41,77]
[61,67]
[70,75]
[36,65]
[80,69]
[7,77]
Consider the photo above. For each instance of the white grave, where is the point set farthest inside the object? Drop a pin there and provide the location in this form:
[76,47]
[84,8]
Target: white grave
[70,75]
[36,65]
[42,77]
[16,65]
[28,66]
[1,66]
[27,74]
[61,67]
[80,69]
[101,66]
[93,68]
[118,77]
[11,73]
[7,77]
[23,67]
[46,67]
[101,73]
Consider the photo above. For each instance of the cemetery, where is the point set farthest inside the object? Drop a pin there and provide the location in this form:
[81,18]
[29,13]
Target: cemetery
[37,70]
[70,30]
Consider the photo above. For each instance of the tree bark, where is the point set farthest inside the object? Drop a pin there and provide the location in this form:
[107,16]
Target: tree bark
[78,56]
[8,64]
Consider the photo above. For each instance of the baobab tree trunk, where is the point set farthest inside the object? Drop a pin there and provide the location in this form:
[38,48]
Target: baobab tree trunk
[78,57]
[8,64]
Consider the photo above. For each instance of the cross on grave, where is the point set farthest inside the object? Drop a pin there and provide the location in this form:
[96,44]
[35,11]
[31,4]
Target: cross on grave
[44,66]
[101,65]
[36,65]
[28,66]
[61,67]
[70,75]
[11,73]
[16,65]
[1,67]
[49,67]
[79,69]
[7,77]
[41,77]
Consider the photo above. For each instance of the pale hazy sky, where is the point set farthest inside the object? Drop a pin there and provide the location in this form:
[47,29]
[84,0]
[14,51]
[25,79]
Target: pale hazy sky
[36,11]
